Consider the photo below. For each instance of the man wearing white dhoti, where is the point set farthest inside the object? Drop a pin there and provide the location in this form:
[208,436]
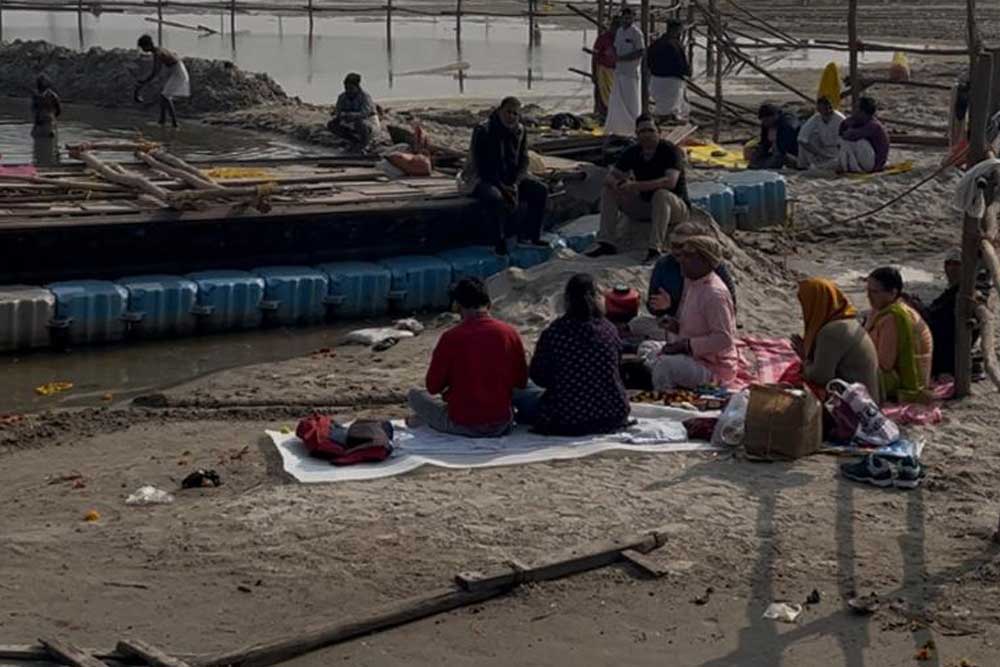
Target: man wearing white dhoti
[178,83]
[668,65]
[625,105]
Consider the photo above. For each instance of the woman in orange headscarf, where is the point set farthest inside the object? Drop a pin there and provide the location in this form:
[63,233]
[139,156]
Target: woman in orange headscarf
[834,343]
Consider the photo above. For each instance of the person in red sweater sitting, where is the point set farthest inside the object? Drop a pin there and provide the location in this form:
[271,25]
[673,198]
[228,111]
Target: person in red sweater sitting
[475,367]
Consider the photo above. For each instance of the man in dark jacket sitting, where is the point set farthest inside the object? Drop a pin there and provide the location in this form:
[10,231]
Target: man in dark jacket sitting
[497,175]
[779,139]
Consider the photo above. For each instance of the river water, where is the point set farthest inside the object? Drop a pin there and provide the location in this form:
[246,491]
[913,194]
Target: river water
[500,61]
[82,123]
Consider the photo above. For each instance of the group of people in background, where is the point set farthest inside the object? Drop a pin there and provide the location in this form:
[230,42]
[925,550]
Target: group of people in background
[828,141]
[618,57]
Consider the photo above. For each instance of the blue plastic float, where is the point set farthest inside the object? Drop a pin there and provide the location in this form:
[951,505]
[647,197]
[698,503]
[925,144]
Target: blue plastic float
[228,299]
[716,198]
[161,305]
[90,311]
[357,289]
[294,295]
[761,198]
[419,282]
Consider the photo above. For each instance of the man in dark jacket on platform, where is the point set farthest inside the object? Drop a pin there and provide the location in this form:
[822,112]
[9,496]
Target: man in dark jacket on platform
[497,174]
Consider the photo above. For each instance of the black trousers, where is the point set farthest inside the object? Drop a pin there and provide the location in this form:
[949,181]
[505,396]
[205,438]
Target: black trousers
[525,221]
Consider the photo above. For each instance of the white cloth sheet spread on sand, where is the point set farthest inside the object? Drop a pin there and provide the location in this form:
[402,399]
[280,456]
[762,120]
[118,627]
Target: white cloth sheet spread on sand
[659,431]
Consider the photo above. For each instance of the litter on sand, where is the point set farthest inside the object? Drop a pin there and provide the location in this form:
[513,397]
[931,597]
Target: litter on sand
[50,388]
[149,495]
[783,611]
[866,605]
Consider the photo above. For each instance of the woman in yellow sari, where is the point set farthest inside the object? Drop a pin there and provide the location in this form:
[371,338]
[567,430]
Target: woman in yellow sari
[902,338]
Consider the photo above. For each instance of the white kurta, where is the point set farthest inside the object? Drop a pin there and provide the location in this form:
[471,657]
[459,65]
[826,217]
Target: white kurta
[819,141]
[625,103]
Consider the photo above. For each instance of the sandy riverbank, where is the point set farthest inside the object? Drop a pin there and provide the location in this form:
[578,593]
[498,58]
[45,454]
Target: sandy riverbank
[259,557]
[753,533]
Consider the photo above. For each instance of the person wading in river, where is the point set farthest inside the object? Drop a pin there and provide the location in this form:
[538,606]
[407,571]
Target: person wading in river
[178,83]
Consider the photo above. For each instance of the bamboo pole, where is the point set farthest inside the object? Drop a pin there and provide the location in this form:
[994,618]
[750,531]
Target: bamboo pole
[531,23]
[973,38]
[761,24]
[388,25]
[183,26]
[878,47]
[79,21]
[754,66]
[644,17]
[852,42]
[458,28]
[690,35]
[159,22]
[964,307]
[310,10]
[711,41]
[717,129]
[183,175]
[601,19]
[232,23]
[115,174]
[584,15]
[61,183]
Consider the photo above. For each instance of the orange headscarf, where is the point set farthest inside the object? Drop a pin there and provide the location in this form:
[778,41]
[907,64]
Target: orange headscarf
[822,303]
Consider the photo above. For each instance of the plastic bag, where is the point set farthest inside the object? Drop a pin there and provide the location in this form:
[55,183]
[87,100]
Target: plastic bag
[149,495]
[729,429]
[375,335]
[857,417]
[783,611]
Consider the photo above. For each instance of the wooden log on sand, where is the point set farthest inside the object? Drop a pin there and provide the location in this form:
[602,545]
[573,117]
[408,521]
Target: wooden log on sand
[68,654]
[473,588]
[150,655]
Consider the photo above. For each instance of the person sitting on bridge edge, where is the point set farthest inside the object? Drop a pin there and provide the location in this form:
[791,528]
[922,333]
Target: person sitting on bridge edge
[496,173]
[355,117]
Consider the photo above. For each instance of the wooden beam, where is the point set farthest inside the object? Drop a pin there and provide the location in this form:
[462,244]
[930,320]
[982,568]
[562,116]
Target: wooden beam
[973,39]
[965,304]
[577,560]
[584,15]
[643,69]
[149,654]
[68,654]
[852,44]
[717,126]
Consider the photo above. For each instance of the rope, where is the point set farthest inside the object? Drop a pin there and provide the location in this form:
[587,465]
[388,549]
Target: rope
[940,170]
